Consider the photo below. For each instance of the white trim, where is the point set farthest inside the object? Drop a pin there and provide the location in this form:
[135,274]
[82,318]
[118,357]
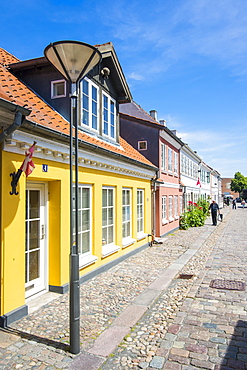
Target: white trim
[169,185]
[48,150]
[87,260]
[127,241]
[52,89]
[141,236]
[109,249]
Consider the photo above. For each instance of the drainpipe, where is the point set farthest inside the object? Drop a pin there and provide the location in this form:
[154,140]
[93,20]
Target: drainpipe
[154,221]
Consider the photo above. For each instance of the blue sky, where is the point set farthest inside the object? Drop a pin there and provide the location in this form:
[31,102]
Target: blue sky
[187,59]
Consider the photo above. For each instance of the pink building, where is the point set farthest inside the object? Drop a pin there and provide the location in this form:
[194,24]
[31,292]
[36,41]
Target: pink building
[161,146]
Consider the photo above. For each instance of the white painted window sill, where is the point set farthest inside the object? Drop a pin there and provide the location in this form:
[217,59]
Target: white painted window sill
[128,241]
[171,219]
[87,260]
[141,236]
[107,250]
[165,221]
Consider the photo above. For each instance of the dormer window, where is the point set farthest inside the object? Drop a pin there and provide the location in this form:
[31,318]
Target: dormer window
[98,110]
[90,105]
[58,89]
[109,116]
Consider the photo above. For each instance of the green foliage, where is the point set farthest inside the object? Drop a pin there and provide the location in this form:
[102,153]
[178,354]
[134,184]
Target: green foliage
[239,183]
[195,214]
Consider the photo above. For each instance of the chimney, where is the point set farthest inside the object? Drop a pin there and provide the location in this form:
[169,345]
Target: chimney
[175,132]
[163,122]
[154,114]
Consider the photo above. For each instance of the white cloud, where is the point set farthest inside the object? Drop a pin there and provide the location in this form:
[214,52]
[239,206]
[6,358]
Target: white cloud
[136,76]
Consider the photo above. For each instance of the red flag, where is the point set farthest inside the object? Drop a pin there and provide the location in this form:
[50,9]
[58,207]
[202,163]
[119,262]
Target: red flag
[198,182]
[28,165]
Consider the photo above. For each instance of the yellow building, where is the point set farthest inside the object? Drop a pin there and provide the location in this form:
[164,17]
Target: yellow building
[115,204]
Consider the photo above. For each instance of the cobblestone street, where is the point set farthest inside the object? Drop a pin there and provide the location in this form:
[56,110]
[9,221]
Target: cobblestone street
[158,320]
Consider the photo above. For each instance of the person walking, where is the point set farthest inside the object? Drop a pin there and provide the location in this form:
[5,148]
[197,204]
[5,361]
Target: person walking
[243,203]
[214,211]
[234,204]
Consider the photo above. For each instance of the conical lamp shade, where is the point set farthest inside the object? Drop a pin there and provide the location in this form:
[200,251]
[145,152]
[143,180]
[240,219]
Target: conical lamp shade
[73,59]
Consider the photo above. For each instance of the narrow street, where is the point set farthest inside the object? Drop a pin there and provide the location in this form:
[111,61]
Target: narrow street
[155,310]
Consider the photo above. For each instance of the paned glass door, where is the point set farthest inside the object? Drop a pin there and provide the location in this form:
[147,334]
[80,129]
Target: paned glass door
[35,265]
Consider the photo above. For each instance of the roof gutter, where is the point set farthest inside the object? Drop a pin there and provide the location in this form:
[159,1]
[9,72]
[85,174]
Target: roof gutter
[20,114]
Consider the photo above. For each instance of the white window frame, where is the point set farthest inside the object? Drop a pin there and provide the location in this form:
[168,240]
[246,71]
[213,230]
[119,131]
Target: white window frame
[127,217]
[89,110]
[164,210]
[171,208]
[53,83]
[140,214]
[109,248]
[141,143]
[181,204]
[108,115]
[163,156]
[175,162]
[176,212]
[85,258]
[170,159]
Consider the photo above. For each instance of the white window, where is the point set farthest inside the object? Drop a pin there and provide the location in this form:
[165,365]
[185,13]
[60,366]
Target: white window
[140,213]
[171,208]
[58,89]
[163,210]
[169,159]
[176,207]
[163,156]
[107,216]
[84,220]
[109,117]
[126,216]
[90,105]
[142,145]
[175,162]
[181,204]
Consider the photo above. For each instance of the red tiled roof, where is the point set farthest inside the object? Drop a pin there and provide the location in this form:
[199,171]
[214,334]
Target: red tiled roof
[13,90]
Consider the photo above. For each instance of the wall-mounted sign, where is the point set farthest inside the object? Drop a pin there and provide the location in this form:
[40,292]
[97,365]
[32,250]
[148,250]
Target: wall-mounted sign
[45,167]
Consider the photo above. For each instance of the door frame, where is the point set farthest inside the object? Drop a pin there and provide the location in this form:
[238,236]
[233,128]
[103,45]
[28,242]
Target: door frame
[43,187]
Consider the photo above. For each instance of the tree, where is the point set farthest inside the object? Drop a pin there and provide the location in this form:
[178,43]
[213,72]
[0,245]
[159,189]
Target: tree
[239,183]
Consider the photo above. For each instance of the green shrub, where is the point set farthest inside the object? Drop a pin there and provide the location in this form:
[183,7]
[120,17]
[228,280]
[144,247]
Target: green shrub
[195,214]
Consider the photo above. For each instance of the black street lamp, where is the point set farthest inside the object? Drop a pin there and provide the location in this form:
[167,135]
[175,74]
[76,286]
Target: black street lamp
[73,59]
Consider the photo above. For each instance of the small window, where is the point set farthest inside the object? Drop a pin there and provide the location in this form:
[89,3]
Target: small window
[58,89]
[142,145]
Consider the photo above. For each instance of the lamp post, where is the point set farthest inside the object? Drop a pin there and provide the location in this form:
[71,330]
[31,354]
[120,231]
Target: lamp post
[73,60]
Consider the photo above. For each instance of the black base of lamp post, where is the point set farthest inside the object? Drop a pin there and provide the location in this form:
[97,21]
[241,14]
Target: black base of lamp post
[74,304]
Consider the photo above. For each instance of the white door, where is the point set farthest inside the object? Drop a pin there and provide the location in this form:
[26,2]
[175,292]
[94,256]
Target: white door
[35,251]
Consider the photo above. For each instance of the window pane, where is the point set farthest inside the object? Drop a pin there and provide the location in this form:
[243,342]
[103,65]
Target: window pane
[110,216]
[104,197]
[104,217]
[85,87]
[85,118]
[85,198]
[110,234]
[33,265]
[34,204]
[86,242]
[94,122]
[94,93]
[85,220]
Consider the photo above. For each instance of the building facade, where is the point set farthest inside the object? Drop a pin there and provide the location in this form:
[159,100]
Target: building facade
[161,146]
[114,179]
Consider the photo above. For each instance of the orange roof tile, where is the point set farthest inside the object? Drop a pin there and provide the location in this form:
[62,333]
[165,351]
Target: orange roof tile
[13,90]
